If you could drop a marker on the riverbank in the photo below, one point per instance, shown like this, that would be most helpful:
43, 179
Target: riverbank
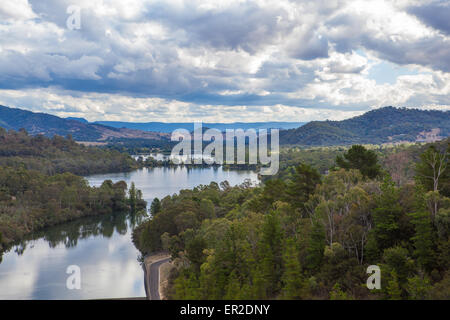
101, 246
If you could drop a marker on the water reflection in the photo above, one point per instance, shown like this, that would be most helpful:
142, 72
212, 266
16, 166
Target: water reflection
36, 267
101, 246
68, 234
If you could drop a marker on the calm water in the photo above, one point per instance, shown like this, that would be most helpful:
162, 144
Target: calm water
100, 246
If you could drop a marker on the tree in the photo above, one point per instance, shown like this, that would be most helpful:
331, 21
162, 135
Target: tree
206, 209
393, 289
155, 207
271, 253
386, 217
423, 239
418, 288
194, 252
398, 164
358, 157
186, 220
316, 246
337, 293
302, 185
397, 260
132, 193
293, 281
274, 190
430, 170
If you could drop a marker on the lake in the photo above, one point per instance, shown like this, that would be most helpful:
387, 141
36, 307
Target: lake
100, 246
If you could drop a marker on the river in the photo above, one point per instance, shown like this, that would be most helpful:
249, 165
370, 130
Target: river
100, 246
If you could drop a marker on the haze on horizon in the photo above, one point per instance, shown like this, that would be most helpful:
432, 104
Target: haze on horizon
224, 61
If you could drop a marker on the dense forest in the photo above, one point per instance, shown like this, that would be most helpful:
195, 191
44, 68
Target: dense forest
40, 186
397, 159
140, 146
307, 235
30, 201
55, 155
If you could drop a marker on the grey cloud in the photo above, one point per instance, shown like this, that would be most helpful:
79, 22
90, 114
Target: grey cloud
336, 67
311, 48
45, 67
245, 26
349, 33
436, 15
430, 52
89, 60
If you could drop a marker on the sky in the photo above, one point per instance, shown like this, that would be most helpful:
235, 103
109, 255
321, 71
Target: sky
223, 61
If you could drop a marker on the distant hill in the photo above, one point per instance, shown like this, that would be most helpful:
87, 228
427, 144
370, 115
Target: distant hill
168, 127
49, 125
382, 125
78, 119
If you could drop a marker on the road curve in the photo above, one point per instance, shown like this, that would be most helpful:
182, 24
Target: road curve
153, 278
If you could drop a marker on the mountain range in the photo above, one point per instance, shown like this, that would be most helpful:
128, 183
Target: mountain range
170, 127
382, 125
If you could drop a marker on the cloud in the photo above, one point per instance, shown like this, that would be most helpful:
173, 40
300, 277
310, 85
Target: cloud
236, 55
16, 10
435, 14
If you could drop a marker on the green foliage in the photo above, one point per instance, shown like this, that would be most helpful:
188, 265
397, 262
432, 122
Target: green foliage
386, 216
393, 289
155, 207
433, 169
33, 201
301, 235
135, 200
337, 293
294, 286
423, 239
59, 155
316, 247
418, 288
399, 265
302, 185
271, 254
358, 157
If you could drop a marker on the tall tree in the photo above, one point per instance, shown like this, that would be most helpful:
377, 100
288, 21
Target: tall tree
358, 157
302, 185
155, 207
316, 246
132, 194
293, 281
431, 168
271, 253
431, 172
386, 215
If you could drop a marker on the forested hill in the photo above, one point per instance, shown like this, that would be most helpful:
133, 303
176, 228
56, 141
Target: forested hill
383, 125
58, 155
49, 125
